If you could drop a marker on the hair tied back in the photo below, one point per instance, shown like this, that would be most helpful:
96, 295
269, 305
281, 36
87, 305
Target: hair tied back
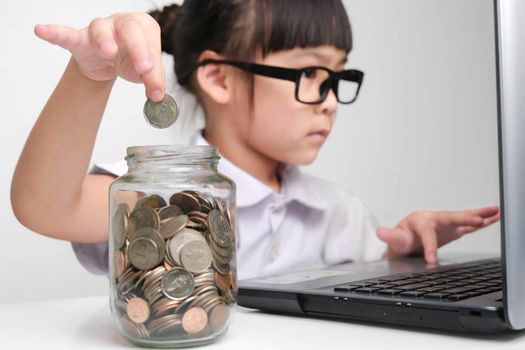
167, 20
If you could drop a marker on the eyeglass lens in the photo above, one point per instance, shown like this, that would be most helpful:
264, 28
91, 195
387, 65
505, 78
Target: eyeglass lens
315, 84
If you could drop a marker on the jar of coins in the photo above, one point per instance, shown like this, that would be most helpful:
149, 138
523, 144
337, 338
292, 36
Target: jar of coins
172, 247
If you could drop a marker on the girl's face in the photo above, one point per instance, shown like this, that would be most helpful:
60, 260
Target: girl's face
280, 127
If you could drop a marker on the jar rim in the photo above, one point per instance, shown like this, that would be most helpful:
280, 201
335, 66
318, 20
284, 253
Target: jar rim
166, 154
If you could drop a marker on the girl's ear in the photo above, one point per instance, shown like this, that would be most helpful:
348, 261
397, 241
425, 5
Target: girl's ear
213, 79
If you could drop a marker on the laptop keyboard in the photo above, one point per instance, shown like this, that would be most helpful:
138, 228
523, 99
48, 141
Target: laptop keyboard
447, 284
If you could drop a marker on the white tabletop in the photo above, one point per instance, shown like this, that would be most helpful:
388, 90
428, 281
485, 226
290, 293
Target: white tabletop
86, 323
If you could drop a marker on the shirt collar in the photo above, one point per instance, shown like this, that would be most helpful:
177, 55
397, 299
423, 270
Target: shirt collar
250, 191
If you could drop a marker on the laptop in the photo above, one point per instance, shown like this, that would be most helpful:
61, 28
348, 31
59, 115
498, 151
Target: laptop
468, 293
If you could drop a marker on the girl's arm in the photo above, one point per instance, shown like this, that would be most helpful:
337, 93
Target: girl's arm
51, 192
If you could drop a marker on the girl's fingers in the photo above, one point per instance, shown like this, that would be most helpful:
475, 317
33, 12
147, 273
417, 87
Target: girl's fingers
492, 219
142, 42
102, 35
459, 218
154, 79
460, 231
400, 241
132, 37
485, 211
65, 37
429, 242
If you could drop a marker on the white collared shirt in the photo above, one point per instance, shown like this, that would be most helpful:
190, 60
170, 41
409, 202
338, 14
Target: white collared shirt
310, 223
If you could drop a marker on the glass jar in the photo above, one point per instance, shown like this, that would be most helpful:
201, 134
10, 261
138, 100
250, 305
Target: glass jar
172, 247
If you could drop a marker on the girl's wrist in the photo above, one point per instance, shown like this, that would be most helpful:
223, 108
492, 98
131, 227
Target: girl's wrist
77, 73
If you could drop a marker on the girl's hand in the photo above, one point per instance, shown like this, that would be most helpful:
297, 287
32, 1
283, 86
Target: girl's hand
123, 45
424, 231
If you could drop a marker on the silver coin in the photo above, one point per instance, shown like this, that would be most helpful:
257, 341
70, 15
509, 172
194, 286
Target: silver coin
196, 256
143, 253
155, 236
220, 228
223, 269
223, 253
169, 212
119, 225
177, 284
143, 217
161, 114
177, 242
186, 201
153, 201
169, 228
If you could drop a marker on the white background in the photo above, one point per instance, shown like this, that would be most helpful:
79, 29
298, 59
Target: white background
421, 135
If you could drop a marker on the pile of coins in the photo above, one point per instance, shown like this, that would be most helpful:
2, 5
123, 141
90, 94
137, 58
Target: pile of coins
173, 266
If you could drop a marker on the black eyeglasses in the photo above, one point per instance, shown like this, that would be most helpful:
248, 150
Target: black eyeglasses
312, 84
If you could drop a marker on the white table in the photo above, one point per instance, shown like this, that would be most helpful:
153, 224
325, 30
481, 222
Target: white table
86, 323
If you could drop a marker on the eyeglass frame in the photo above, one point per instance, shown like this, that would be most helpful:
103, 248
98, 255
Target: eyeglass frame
291, 74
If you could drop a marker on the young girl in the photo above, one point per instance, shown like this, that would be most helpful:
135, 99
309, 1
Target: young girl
269, 75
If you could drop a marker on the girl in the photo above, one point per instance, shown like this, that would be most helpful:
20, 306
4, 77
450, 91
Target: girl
269, 75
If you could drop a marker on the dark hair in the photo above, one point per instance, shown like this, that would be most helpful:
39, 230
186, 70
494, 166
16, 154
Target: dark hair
238, 29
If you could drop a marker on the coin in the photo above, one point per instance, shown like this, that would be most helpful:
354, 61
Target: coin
219, 228
135, 330
143, 253
165, 305
196, 256
138, 310
194, 320
219, 316
161, 114
155, 236
221, 268
177, 284
153, 201
173, 226
120, 263
186, 201
177, 242
165, 324
222, 281
119, 224
142, 217
169, 212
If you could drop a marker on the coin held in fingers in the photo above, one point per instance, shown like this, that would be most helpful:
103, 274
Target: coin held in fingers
161, 114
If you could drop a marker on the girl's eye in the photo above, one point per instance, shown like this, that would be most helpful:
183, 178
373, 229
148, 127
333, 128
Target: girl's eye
309, 72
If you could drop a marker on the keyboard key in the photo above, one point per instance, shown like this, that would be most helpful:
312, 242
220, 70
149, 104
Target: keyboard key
389, 292
363, 284
459, 290
366, 290
345, 288
412, 294
394, 278
401, 282
457, 297
436, 295
434, 288
384, 286
414, 286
